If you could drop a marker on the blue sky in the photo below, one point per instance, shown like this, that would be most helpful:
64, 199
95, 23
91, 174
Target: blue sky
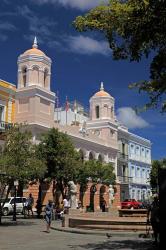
80, 61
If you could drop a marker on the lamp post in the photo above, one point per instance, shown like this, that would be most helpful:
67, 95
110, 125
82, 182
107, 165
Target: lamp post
1, 176
15, 194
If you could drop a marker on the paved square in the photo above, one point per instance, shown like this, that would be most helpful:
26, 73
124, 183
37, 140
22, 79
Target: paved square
29, 234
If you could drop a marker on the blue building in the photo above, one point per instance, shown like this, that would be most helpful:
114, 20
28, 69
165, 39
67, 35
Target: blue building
139, 167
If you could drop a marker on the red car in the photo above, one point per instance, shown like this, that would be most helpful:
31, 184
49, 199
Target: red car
131, 204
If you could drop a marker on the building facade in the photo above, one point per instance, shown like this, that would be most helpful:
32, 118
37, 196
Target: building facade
98, 136
139, 167
7, 102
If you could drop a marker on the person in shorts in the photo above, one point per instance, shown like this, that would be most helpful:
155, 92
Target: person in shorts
48, 215
30, 202
66, 205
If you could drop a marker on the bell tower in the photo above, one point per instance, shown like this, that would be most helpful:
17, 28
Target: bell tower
34, 99
102, 105
102, 117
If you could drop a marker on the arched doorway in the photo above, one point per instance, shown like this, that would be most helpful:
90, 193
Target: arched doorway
102, 200
100, 158
81, 154
91, 156
93, 190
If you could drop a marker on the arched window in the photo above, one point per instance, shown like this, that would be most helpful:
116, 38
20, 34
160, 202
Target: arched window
112, 112
137, 150
132, 171
24, 76
45, 78
133, 194
106, 110
138, 195
91, 157
97, 109
81, 155
35, 74
100, 158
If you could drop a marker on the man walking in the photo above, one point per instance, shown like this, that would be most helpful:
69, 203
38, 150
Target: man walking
30, 202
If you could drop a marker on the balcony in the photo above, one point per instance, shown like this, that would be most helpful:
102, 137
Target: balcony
122, 157
5, 125
140, 180
125, 179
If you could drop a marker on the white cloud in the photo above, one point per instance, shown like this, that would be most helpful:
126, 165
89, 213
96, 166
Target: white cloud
5, 28
78, 4
128, 117
42, 27
86, 45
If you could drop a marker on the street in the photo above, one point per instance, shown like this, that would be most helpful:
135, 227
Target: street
29, 234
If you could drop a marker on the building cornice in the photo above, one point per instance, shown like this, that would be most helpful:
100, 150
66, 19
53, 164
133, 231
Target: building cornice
101, 124
35, 58
36, 91
135, 138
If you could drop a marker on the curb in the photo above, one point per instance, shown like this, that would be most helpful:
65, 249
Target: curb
101, 233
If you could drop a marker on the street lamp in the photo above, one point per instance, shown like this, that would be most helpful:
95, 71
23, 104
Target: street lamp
15, 194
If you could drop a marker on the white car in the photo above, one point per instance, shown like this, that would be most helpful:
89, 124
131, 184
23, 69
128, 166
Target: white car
9, 205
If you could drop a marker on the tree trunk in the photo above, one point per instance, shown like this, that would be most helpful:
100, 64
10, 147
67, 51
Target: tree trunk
39, 200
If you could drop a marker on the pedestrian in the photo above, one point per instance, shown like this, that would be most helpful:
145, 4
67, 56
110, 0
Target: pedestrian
29, 204
103, 205
153, 217
48, 215
66, 205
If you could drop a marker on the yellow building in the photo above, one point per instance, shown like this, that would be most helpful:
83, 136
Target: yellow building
7, 103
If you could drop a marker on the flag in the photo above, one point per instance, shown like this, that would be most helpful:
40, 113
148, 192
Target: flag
67, 105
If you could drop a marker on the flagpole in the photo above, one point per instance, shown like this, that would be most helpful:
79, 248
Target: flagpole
75, 112
66, 117
57, 106
66, 108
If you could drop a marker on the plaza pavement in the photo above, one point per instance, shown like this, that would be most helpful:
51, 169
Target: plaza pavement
28, 234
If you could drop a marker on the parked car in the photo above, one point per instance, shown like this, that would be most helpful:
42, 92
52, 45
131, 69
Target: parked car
146, 204
9, 205
131, 204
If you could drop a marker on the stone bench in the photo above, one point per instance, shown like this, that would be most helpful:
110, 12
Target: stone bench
133, 212
114, 224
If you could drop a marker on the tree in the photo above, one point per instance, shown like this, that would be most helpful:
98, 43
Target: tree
60, 156
134, 28
18, 160
156, 165
97, 172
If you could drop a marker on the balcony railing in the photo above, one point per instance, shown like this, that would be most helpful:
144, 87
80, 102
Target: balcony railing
122, 156
140, 180
125, 179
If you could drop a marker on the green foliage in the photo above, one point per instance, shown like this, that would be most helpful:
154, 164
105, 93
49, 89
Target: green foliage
18, 160
154, 174
97, 171
134, 28
156, 165
60, 156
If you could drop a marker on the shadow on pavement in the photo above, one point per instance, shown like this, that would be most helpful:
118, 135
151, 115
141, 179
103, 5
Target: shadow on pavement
120, 245
18, 223
7, 221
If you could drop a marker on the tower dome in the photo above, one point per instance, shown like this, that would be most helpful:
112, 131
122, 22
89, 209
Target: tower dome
34, 50
101, 105
34, 68
102, 93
